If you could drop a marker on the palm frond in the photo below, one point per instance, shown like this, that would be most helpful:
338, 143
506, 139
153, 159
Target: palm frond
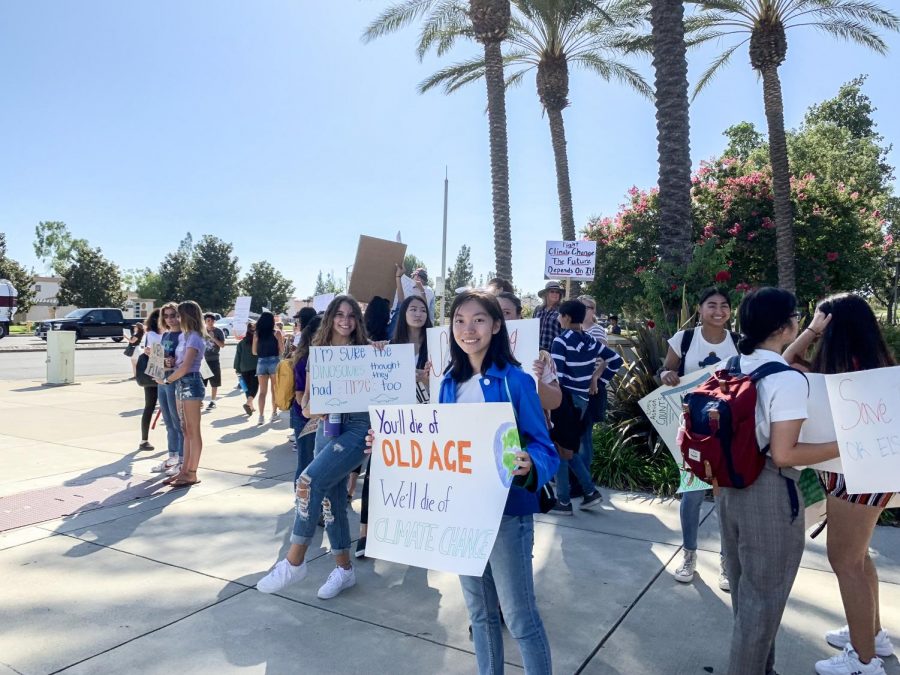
442, 27
396, 17
852, 31
738, 7
454, 76
718, 63
863, 12
610, 69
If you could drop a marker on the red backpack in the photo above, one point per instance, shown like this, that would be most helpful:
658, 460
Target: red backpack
718, 433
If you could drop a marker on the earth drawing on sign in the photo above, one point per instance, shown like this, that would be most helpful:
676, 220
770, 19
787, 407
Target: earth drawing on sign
506, 445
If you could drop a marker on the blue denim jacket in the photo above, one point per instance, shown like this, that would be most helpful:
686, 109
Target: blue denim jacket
532, 428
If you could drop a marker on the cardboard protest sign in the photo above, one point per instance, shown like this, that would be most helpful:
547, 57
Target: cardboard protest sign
523, 341
570, 260
156, 363
351, 378
374, 269
663, 408
321, 302
241, 316
866, 410
440, 475
819, 426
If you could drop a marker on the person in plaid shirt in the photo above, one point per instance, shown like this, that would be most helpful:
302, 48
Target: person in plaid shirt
548, 313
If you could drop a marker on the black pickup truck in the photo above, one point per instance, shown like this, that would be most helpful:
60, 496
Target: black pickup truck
93, 322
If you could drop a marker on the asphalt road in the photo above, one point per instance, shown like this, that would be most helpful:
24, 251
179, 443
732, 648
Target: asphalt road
88, 362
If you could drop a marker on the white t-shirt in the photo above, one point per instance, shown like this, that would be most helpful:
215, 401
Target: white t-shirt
470, 391
780, 397
702, 353
150, 339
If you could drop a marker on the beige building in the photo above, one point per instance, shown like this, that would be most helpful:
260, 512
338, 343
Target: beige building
45, 304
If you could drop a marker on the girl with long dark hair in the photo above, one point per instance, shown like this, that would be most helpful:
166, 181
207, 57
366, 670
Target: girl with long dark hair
268, 344
483, 369
245, 362
151, 337
321, 487
762, 525
847, 339
168, 401
412, 322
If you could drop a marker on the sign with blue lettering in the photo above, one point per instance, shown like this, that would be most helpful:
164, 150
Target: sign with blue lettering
439, 482
353, 377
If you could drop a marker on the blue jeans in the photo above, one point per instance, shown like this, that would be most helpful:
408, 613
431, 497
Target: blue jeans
326, 476
305, 446
563, 491
690, 518
169, 407
507, 582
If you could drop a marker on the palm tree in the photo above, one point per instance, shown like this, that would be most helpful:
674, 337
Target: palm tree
548, 36
766, 23
673, 130
486, 21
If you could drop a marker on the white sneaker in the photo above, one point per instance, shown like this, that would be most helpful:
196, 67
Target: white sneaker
724, 584
848, 663
840, 638
282, 575
339, 580
262, 420
173, 470
274, 418
685, 573
167, 463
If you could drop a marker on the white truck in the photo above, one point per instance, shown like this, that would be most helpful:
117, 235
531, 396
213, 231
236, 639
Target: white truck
8, 296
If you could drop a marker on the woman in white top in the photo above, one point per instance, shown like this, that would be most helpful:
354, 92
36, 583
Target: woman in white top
691, 350
762, 525
152, 336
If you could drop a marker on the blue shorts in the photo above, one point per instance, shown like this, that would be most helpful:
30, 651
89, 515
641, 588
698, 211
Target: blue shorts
267, 365
190, 388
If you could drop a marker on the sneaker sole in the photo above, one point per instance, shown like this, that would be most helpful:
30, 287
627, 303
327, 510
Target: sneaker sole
342, 589
591, 506
683, 580
359, 554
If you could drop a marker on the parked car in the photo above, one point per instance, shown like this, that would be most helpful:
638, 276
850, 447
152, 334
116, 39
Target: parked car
92, 322
226, 325
8, 295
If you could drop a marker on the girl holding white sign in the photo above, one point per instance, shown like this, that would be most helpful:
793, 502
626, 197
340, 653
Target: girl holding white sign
482, 369
412, 322
849, 339
322, 486
689, 351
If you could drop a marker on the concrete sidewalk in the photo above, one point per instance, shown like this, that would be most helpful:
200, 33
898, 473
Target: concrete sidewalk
165, 583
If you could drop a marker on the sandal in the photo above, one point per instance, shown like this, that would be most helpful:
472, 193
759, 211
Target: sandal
248, 410
183, 483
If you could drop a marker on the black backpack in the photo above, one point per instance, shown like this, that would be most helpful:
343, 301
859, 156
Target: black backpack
686, 340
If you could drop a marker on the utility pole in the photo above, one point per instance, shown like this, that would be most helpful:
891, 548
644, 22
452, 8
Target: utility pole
444, 253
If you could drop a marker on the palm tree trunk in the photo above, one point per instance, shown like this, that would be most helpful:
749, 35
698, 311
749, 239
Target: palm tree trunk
673, 130
496, 94
563, 187
781, 179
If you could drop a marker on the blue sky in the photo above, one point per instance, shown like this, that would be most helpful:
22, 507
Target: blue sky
271, 125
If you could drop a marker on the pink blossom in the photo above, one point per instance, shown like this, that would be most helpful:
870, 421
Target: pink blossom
767, 223
742, 287
854, 196
722, 276
831, 256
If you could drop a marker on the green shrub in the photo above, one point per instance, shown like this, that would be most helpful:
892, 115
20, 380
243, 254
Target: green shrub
892, 337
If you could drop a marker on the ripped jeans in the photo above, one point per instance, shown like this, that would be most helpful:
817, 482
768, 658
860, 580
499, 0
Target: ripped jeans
326, 480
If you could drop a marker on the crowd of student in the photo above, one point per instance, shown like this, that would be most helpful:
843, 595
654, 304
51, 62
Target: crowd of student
762, 531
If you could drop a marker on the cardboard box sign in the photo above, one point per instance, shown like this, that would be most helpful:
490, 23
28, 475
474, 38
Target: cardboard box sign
373, 270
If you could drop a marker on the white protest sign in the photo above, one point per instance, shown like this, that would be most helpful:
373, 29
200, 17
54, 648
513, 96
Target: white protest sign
523, 341
819, 425
866, 410
241, 315
663, 408
351, 378
409, 286
156, 364
321, 302
570, 260
440, 475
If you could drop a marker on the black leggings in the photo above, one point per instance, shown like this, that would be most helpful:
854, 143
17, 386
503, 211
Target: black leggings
150, 397
251, 381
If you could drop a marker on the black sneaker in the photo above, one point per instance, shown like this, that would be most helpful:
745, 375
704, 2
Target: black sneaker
591, 501
145, 445
211, 405
561, 510
361, 548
